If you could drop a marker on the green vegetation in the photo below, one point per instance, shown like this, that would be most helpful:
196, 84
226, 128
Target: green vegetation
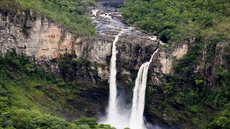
189, 101
72, 67
193, 98
201, 101
175, 20
31, 98
206, 105
221, 121
70, 13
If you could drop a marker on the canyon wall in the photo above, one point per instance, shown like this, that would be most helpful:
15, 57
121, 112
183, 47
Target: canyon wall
47, 43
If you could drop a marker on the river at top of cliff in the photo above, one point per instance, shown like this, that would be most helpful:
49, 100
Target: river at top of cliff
108, 20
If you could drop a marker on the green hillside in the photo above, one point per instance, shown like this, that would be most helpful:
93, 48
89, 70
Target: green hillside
32, 98
176, 20
205, 103
69, 13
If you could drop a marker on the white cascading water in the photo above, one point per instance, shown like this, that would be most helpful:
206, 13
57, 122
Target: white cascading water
107, 21
112, 108
115, 117
138, 105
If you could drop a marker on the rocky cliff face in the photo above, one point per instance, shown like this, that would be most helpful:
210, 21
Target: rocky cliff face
47, 43
44, 41
33, 35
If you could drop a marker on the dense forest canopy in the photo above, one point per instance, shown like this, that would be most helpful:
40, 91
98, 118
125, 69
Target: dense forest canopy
175, 20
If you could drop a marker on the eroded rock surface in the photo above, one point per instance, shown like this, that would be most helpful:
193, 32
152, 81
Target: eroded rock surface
46, 42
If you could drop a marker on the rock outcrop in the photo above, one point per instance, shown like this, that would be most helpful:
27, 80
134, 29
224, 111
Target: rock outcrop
34, 35
44, 41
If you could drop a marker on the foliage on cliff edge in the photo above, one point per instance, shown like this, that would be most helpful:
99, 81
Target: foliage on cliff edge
70, 13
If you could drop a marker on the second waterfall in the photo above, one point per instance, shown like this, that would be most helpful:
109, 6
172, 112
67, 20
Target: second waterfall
138, 105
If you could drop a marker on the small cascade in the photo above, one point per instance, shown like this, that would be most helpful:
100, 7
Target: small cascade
138, 105
94, 12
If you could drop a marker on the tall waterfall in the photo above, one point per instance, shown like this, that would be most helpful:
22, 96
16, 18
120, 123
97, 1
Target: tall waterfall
112, 108
137, 118
115, 115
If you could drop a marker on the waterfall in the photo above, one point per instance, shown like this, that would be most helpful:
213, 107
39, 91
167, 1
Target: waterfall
115, 115
138, 105
107, 21
112, 108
